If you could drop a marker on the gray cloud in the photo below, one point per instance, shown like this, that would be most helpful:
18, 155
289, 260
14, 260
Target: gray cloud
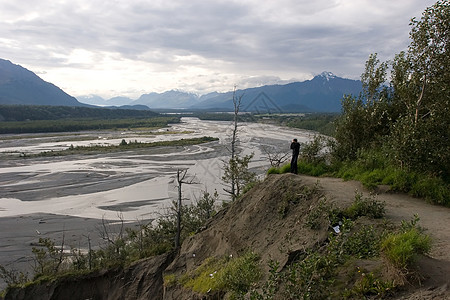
231, 40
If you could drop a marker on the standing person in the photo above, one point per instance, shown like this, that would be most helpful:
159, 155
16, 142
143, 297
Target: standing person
295, 146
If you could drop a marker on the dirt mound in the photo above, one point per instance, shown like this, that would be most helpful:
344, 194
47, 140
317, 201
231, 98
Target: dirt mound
262, 221
269, 220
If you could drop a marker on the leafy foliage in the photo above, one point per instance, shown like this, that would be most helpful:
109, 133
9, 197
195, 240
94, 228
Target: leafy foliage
411, 116
365, 207
236, 172
314, 273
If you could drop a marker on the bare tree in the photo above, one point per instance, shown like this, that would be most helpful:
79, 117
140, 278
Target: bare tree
237, 106
182, 178
112, 236
275, 158
236, 172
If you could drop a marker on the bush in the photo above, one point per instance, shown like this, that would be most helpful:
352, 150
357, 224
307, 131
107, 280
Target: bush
365, 207
364, 243
226, 274
373, 168
281, 170
433, 189
402, 249
313, 168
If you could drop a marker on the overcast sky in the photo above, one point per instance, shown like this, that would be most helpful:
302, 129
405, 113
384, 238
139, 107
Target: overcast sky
130, 47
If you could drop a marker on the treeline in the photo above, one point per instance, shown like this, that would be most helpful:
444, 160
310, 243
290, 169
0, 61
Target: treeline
39, 119
43, 112
68, 125
320, 122
124, 145
406, 121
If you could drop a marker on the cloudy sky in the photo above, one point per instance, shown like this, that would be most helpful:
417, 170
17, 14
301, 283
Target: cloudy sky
131, 47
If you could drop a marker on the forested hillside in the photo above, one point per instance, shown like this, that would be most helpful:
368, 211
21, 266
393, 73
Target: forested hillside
42, 112
29, 119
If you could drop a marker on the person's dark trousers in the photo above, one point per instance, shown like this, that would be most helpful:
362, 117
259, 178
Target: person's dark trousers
294, 164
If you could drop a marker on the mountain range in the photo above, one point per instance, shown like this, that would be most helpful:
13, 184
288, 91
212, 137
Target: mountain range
323, 93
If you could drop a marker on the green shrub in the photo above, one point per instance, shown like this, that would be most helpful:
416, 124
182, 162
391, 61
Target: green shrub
204, 278
372, 179
273, 170
402, 249
399, 180
313, 168
373, 168
369, 284
365, 207
433, 189
364, 243
226, 274
240, 273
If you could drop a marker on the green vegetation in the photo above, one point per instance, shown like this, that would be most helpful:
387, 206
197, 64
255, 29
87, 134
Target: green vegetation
123, 146
40, 118
226, 274
236, 172
65, 125
402, 248
44, 112
403, 127
357, 251
319, 122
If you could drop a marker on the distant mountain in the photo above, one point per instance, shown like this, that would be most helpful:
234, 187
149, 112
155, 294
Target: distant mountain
99, 101
170, 99
21, 86
323, 93
119, 101
92, 100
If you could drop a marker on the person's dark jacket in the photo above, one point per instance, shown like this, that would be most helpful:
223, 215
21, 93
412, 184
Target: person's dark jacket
295, 146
